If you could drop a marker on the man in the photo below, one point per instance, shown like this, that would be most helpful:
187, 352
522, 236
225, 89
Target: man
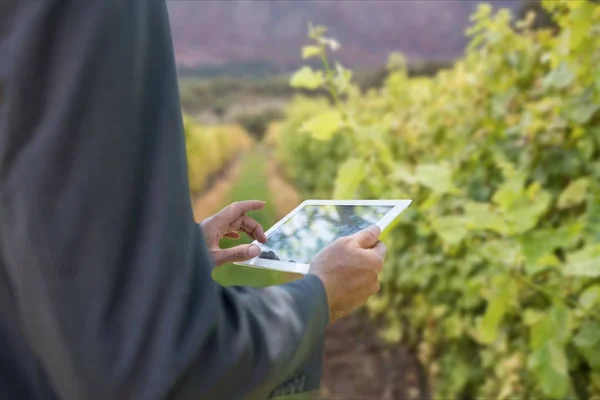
105, 279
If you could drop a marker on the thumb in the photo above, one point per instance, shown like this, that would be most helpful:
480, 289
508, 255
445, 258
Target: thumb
235, 254
368, 237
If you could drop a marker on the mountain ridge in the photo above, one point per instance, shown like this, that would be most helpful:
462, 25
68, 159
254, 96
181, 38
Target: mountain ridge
214, 33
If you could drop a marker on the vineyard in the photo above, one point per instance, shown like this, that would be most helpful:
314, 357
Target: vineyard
210, 149
493, 274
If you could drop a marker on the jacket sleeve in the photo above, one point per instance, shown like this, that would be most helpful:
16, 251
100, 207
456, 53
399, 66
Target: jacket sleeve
112, 276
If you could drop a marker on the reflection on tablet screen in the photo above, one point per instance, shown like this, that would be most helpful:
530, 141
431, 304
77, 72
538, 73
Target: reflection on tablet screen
313, 227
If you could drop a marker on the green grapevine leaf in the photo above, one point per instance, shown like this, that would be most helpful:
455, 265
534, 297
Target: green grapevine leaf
581, 29
549, 365
503, 293
554, 326
592, 227
500, 251
436, 177
537, 243
587, 342
342, 78
307, 78
451, 230
396, 61
583, 112
590, 298
574, 194
569, 234
481, 216
560, 78
488, 328
483, 12
542, 263
350, 175
585, 262
538, 246
378, 304
324, 125
402, 174
531, 316
453, 326
561, 316
311, 51
316, 32
510, 191
500, 102
392, 333
526, 213
548, 360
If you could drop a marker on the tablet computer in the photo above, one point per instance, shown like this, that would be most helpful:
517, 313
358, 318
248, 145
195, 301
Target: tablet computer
299, 236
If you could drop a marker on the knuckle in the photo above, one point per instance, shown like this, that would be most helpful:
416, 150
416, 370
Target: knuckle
239, 252
370, 235
340, 246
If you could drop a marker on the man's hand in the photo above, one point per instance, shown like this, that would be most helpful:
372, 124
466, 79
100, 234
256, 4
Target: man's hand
349, 269
229, 222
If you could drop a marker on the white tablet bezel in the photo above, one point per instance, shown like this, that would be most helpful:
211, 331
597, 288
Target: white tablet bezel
397, 207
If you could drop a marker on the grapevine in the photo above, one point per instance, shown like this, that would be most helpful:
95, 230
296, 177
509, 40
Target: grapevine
495, 266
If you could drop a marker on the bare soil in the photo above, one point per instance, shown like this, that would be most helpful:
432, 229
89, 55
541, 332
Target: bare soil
359, 366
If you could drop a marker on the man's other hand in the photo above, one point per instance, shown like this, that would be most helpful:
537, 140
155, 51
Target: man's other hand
229, 223
349, 269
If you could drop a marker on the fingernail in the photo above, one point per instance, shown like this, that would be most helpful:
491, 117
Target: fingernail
254, 250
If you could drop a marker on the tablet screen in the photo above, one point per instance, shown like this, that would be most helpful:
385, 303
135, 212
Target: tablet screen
313, 227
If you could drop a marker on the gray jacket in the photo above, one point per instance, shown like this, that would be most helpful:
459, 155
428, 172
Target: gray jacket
105, 280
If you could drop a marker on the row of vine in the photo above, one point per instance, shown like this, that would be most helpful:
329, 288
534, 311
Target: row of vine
493, 273
210, 149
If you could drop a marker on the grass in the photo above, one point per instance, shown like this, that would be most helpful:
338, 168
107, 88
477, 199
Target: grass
251, 185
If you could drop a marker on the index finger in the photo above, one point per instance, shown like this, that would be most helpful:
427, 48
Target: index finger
238, 208
253, 228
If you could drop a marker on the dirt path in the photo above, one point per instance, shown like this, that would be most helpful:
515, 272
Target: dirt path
358, 365
284, 195
213, 198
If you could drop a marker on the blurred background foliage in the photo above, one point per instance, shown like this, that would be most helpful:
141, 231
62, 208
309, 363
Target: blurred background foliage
210, 149
493, 274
